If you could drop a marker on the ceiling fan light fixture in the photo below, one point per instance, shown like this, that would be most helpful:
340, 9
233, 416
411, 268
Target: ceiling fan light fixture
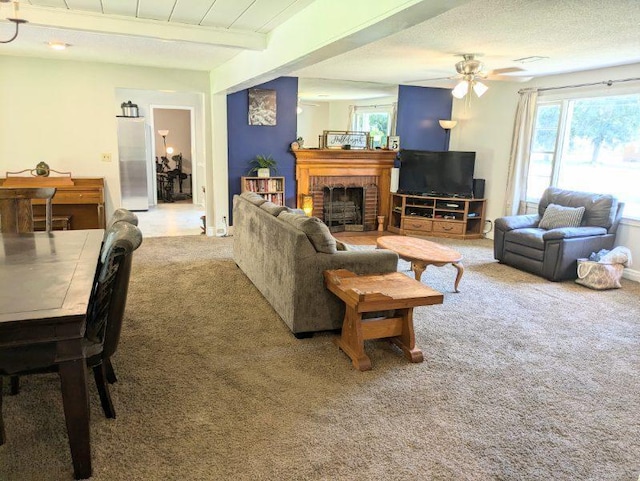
479, 88
461, 89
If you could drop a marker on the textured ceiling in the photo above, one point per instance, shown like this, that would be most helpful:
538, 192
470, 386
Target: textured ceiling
574, 35
570, 35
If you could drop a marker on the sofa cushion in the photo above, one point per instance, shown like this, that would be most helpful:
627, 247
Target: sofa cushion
273, 209
317, 231
530, 237
556, 216
255, 199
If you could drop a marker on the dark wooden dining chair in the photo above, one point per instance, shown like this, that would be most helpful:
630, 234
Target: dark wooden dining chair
104, 318
16, 210
113, 334
122, 215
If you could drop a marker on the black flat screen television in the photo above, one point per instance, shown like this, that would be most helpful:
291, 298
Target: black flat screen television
439, 174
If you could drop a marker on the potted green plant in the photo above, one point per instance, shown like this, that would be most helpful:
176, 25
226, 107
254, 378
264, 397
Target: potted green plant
263, 165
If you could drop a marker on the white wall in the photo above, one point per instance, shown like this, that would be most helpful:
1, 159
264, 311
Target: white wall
486, 126
64, 113
312, 121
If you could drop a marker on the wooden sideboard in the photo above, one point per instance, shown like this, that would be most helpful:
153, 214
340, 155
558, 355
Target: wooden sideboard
80, 198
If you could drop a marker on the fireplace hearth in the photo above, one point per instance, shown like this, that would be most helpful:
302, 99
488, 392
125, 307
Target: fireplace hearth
343, 208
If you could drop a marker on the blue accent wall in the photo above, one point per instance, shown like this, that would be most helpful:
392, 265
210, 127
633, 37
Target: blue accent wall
419, 109
246, 141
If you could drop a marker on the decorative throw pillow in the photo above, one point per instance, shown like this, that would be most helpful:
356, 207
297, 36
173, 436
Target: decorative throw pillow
255, 199
273, 209
556, 216
294, 211
316, 230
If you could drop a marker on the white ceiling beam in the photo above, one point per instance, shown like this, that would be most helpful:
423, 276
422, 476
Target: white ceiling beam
120, 25
314, 35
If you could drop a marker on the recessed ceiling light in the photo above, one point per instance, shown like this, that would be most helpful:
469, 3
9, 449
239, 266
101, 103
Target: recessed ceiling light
323, 95
58, 45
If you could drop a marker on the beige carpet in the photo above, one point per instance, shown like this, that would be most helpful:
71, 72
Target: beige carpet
523, 379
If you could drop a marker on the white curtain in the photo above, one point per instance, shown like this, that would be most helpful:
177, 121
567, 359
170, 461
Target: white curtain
393, 118
352, 116
519, 158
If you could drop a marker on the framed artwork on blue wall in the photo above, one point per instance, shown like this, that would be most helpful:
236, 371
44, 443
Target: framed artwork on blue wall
262, 107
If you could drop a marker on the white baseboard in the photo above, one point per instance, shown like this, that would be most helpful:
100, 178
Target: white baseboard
631, 274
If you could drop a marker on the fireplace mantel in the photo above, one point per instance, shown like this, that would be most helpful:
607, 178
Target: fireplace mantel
343, 163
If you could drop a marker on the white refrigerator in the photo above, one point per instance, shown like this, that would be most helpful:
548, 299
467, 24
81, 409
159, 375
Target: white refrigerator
132, 154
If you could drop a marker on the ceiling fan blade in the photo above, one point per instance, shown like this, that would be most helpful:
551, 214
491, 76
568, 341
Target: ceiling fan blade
507, 70
509, 78
433, 79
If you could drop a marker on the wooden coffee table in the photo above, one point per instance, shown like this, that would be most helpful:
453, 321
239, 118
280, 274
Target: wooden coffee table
374, 293
422, 253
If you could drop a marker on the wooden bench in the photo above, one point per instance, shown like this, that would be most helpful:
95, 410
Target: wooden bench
376, 293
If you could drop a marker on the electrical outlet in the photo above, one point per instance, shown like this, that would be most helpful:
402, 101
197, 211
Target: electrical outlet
106, 157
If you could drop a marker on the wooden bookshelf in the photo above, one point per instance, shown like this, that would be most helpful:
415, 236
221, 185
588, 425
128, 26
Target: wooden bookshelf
270, 188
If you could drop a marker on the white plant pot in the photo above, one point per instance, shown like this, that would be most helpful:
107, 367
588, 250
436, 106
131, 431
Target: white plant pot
264, 172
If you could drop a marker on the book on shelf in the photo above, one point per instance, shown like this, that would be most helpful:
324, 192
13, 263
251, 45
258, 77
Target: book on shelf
264, 185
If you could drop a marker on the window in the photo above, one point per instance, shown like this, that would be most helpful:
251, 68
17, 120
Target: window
589, 144
377, 120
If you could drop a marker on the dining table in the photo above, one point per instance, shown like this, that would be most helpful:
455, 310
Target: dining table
46, 280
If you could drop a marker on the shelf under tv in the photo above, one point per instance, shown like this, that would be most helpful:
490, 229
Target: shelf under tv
455, 217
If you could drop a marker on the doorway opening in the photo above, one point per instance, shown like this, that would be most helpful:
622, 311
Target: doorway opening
174, 172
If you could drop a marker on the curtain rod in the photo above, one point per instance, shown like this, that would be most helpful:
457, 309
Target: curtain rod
608, 83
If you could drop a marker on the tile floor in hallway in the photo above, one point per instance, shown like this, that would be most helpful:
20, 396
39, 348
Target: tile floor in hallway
178, 218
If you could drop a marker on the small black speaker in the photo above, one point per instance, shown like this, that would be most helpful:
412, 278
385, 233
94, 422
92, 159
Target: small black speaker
478, 188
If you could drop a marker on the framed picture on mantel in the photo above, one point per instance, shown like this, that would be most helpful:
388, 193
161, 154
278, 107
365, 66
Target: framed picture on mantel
333, 139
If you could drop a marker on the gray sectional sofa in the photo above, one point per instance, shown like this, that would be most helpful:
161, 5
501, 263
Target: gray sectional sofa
284, 254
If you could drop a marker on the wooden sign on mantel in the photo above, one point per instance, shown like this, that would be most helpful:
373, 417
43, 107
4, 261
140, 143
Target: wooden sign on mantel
333, 139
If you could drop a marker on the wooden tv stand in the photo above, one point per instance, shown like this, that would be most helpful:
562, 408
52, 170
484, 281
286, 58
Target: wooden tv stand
453, 217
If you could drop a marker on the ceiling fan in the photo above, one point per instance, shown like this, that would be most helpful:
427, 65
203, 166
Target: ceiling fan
471, 72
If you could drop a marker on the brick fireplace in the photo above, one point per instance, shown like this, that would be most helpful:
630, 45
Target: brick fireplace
358, 181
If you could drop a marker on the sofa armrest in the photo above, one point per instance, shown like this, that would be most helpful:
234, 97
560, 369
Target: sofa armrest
572, 232
512, 222
360, 262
